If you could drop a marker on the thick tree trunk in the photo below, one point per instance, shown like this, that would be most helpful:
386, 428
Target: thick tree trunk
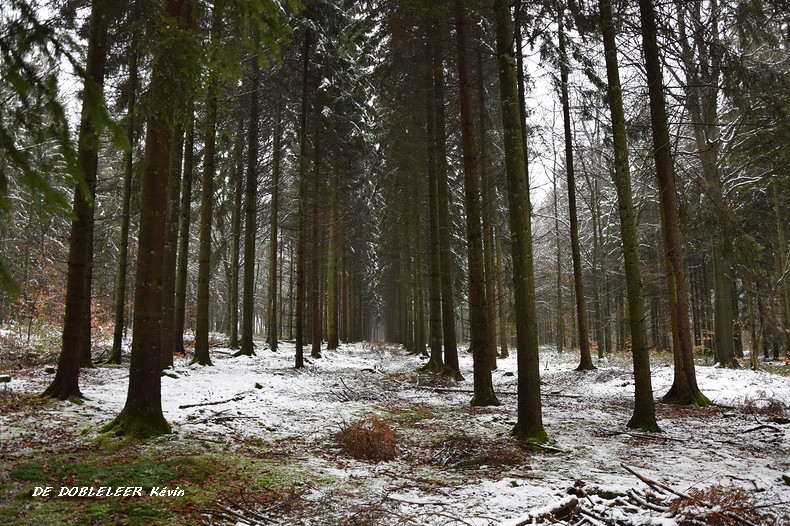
684, 389
529, 425
78, 289
478, 324
142, 415
644, 416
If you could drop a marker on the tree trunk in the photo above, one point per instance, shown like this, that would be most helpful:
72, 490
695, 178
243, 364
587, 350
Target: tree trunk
171, 240
128, 174
443, 197
488, 191
142, 415
684, 388
202, 319
504, 332
529, 425
315, 243
182, 263
581, 307
332, 340
436, 362
78, 289
235, 235
274, 233
250, 219
300, 250
644, 416
478, 324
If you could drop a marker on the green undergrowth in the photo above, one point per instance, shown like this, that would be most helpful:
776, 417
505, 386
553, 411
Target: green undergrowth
206, 472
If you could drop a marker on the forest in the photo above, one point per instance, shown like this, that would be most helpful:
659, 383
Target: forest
415, 262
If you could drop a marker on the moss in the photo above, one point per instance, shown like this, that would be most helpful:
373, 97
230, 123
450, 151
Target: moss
530, 438
485, 399
138, 426
648, 425
29, 471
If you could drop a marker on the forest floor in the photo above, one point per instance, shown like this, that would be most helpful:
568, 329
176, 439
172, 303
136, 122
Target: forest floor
256, 442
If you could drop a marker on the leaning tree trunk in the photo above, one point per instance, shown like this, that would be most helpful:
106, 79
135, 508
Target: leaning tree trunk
578, 284
684, 388
644, 416
478, 324
78, 290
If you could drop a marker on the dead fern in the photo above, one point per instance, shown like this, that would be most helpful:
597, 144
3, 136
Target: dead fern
716, 505
368, 439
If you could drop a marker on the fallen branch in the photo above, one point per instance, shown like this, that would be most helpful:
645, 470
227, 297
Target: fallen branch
763, 426
234, 399
507, 393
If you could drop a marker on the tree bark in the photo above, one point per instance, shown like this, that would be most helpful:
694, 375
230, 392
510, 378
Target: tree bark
581, 307
529, 425
128, 174
478, 324
78, 280
250, 219
182, 271
302, 182
644, 416
684, 388
142, 415
443, 193
171, 240
274, 230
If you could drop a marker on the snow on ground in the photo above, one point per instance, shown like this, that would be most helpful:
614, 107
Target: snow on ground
442, 473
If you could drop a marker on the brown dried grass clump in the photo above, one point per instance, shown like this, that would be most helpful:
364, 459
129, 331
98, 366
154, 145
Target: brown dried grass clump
368, 439
768, 407
717, 505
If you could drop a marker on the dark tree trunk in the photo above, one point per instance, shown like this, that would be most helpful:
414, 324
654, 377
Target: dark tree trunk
684, 389
436, 362
275, 191
302, 182
142, 415
478, 324
202, 316
78, 289
581, 307
443, 197
315, 242
235, 235
644, 416
529, 425
171, 241
128, 173
182, 271
250, 219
